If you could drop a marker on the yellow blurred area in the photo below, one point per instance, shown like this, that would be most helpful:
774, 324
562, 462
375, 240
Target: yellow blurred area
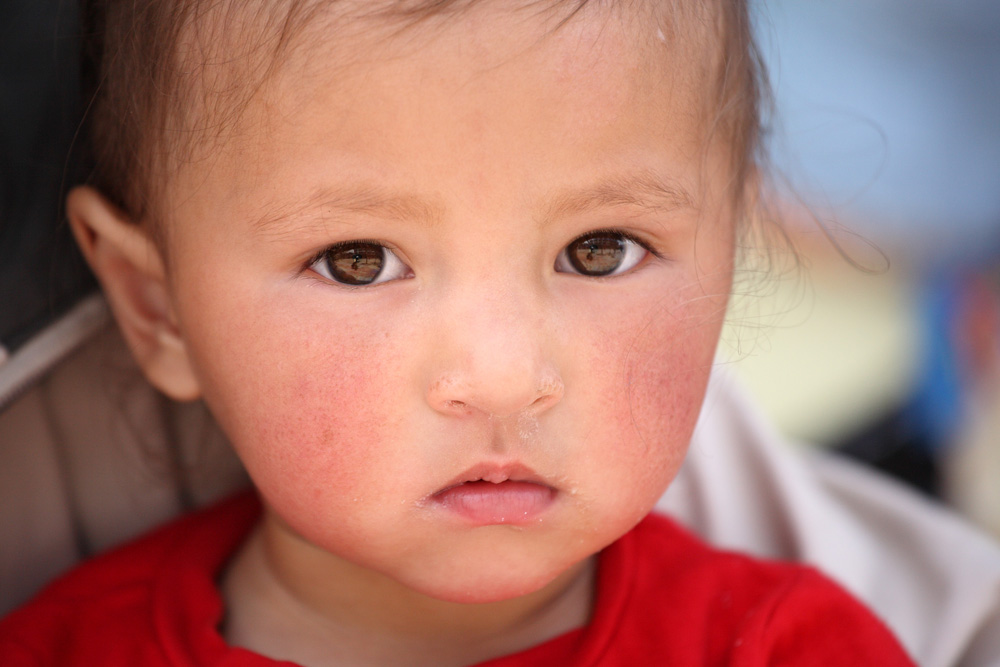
826, 346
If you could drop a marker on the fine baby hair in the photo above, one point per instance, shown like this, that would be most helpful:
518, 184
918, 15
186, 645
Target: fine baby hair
450, 278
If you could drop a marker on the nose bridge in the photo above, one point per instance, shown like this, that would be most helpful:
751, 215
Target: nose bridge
495, 353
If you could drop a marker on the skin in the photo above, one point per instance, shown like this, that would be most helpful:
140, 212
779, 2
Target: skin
473, 148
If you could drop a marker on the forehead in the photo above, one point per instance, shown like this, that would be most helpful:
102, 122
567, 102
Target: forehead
229, 52
341, 68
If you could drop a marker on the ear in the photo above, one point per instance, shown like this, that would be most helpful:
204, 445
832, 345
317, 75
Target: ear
130, 267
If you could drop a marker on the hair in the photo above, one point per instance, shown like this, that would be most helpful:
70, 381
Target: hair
145, 66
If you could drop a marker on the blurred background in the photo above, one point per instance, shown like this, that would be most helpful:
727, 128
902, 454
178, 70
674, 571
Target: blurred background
885, 147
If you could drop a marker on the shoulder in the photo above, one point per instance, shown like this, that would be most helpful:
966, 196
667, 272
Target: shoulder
744, 487
727, 608
665, 553
110, 605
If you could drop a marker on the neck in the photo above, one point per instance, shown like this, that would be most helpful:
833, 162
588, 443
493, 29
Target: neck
297, 602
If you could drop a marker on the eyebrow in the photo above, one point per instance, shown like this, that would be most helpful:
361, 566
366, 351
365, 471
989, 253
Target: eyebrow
644, 189
347, 199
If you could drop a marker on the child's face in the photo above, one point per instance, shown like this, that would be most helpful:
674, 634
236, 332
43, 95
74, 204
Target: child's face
477, 149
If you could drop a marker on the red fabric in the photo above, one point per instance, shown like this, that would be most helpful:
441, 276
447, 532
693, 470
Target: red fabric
663, 598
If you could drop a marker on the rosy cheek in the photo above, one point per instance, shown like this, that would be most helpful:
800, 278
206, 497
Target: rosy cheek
311, 404
666, 372
656, 392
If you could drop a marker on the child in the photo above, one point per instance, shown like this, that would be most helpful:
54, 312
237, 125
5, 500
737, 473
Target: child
450, 276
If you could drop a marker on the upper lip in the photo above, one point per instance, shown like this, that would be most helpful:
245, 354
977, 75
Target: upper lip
495, 473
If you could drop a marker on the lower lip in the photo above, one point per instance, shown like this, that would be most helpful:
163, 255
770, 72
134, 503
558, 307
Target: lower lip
486, 503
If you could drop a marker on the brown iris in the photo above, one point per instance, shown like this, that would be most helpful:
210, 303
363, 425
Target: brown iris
597, 255
355, 264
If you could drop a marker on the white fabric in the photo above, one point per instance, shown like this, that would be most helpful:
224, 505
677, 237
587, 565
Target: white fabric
934, 580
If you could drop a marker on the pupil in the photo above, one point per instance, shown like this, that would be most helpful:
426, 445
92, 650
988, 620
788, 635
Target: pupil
356, 265
597, 255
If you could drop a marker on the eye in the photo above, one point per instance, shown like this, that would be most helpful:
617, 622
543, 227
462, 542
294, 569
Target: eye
358, 263
601, 253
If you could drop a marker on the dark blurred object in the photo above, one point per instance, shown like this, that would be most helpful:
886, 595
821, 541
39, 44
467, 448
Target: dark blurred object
899, 447
41, 272
960, 362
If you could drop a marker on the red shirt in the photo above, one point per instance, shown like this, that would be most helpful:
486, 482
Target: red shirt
663, 598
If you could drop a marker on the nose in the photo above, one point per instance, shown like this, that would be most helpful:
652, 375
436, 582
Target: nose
493, 359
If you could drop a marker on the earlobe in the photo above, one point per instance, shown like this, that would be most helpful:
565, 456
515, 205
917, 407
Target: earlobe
131, 270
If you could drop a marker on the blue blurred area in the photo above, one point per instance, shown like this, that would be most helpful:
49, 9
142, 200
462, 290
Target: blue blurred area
889, 113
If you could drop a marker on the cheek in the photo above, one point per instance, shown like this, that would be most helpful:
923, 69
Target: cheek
650, 397
667, 365
301, 400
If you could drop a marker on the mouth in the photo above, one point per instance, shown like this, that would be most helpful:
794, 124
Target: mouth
491, 495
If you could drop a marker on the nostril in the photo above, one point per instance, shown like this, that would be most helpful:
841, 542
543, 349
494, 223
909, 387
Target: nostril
543, 402
550, 391
494, 393
450, 394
